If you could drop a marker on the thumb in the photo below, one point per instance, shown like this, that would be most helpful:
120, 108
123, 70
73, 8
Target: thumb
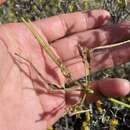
110, 87
2, 1
113, 87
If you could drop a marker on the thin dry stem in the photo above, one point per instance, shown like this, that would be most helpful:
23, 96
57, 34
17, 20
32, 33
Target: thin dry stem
48, 49
110, 46
85, 54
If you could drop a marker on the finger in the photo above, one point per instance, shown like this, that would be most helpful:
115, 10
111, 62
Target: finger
75, 67
111, 87
2, 1
92, 38
108, 58
58, 26
108, 87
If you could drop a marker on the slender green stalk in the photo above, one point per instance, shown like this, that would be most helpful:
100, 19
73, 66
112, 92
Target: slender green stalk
48, 49
113, 100
79, 112
119, 102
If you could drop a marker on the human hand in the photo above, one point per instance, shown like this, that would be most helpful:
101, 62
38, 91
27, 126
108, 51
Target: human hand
2, 1
26, 102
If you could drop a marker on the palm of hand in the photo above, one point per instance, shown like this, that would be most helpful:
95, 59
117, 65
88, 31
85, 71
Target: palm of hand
29, 71
24, 77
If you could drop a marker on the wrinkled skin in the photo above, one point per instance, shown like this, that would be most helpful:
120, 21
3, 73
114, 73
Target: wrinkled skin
25, 100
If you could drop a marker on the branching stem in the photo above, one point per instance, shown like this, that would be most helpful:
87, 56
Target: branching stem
85, 54
109, 46
48, 49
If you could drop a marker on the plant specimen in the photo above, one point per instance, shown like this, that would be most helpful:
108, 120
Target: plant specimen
85, 87
12, 11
